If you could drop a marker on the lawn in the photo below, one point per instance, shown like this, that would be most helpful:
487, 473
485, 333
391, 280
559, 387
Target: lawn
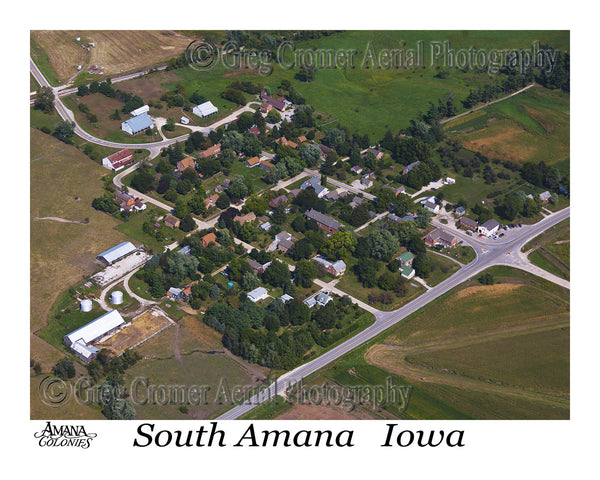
349, 284
441, 269
133, 228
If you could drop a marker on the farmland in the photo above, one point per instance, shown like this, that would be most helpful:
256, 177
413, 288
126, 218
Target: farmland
117, 51
531, 126
551, 250
496, 351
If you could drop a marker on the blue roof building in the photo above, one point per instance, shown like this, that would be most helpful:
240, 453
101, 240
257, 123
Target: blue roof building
137, 124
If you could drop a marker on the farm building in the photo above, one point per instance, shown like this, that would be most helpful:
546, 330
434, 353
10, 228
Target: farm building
137, 124
80, 339
118, 160
139, 111
325, 222
258, 294
205, 109
116, 253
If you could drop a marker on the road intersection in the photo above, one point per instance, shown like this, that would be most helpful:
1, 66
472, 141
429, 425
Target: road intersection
489, 252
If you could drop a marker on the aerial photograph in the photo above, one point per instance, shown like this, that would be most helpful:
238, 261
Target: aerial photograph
299, 225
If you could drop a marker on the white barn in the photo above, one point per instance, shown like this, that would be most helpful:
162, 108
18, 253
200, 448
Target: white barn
139, 111
205, 109
137, 124
103, 325
117, 252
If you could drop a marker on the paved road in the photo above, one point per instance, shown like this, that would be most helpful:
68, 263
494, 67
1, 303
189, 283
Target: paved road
494, 254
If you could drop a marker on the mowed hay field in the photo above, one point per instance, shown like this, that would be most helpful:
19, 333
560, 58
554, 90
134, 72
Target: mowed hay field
118, 51
531, 126
64, 182
480, 351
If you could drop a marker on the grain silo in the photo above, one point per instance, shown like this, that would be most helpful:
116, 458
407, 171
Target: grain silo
116, 297
86, 305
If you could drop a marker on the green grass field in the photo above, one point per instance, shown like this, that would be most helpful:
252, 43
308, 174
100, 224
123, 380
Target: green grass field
488, 352
552, 250
532, 126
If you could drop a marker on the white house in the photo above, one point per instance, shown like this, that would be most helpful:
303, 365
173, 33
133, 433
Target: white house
430, 204
449, 181
205, 109
489, 228
257, 294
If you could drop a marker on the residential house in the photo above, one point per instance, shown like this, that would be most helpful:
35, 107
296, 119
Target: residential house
286, 298
265, 165
258, 294
208, 239
406, 258
248, 217
460, 210
397, 190
265, 227
406, 218
171, 221
325, 150
187, 162
209, 152
265, 107
489, 228
337, 268
366, 181
139, 205
468, 223
310, 302
356, 201
285, 141
294, 193
407, 272
211, 201
118, 160
278, 200
277, 103
332, 196
440, 237
256, 267
252, 162
187, 250
174, 293
376, 152
315, 183
326, 223
255, 130
356, 169
323, 299
285, 241
301, 139
545, 196
430, 204
124, 199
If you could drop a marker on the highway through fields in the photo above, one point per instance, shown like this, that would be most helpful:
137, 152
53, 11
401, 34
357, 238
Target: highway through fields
495, 254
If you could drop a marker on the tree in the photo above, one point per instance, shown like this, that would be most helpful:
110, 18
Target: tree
273, 116
170, 125
305, 272
187, 224
249, 281
44, 100
238, 188
422, 266
83, 90
339, 245
487, 279
143, 179
245, 121
309, 154
233, 141
276, 274
64, 131
302, 249
223, 201
382, 244
64, 368
251, 145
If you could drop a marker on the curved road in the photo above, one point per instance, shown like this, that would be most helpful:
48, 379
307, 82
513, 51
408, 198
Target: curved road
488, 253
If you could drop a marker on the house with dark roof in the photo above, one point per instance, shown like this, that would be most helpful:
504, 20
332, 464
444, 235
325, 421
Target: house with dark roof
315, 184
337, 268
356, 169
325, 150
468, 223
326, 223
409, 167
278, 200
489, 228
440, 237
356, 201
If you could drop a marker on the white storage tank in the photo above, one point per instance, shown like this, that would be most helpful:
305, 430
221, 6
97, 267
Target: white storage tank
86, 305
116, 297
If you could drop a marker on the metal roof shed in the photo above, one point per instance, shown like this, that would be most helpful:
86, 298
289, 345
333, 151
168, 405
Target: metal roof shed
96, 328
205, 109
117, 252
